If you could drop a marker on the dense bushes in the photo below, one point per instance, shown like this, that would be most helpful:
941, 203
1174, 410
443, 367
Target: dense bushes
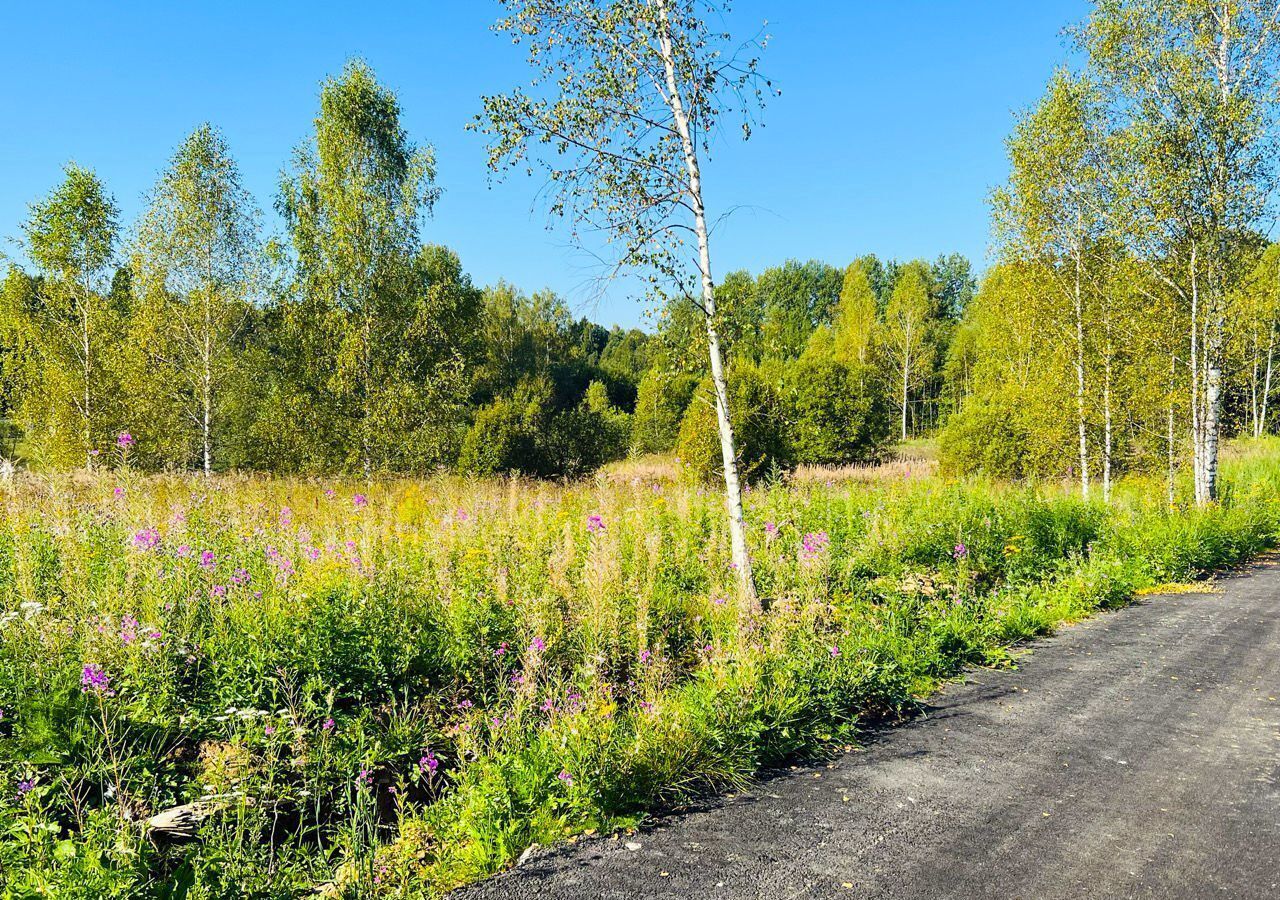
814, 409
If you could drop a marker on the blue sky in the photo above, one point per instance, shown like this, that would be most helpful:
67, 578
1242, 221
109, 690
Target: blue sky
886, 138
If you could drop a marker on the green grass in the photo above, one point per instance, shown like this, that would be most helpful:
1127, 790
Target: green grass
401, 696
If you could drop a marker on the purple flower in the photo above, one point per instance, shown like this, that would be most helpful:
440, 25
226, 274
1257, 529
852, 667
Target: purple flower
330, 493
125, 440
771, 529
365, 778
960, 552
813, 543
93, 680
218, 590
835, 651
360, 501
183, 551
25, 786
207, 559
328, 724
595, 524
645, 655
239, 577
146, 539
118, 493
428, 763
566, 777
269, 730
538, 645
501, 649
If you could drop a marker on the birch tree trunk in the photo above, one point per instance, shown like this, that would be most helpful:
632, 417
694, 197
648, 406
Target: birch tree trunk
906, 376
728, 452
1266, 383
1172, 445
88, 375
1080, 381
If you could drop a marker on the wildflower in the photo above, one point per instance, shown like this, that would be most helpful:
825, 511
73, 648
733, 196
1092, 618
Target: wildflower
313, 553
183, 551
465, 704
814, 543
645, 655
548, 706
960, 552
207, 559
125, 440
239, 577
128, 629
328, 725
835, 651
146, 539
330, 493
94, 680
566, 777
461, 515
269, 730
118, 493
25, 786
218, 590
719, 601
365, 778
771, 530
595, 524
360, 501
537, 645
428, 763
501, 649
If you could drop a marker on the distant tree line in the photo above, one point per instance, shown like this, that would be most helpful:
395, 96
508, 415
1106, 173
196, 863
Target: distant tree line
346, 345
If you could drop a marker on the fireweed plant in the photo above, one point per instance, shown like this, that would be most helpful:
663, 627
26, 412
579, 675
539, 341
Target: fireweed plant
392, 688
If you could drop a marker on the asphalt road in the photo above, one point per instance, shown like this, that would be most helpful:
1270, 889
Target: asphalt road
1133, 755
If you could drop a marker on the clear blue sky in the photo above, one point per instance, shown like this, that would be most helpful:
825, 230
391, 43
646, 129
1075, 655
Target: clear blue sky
886, 138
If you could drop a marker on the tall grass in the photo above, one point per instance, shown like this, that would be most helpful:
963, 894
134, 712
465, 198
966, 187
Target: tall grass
393, 688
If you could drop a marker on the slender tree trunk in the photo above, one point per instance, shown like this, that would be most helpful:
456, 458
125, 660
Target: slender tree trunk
1266, 383
1213, 405
88, 375
1172, 445
728, 453
1106, 426
906, 376
1080, 382
207, 390
1197, 432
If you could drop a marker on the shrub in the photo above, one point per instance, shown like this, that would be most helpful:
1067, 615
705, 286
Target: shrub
759, 427
661, 402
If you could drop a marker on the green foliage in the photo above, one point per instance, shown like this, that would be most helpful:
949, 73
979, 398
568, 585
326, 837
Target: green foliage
837, 411
759, 422
661, 401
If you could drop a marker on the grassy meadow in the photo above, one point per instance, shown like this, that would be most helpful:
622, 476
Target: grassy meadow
388, 689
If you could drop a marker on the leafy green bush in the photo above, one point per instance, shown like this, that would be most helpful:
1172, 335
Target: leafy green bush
759, 427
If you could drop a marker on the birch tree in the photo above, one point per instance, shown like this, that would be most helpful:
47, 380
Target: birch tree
1051, 212
1193, 84
624, 103
71, 238
906, 336
195, 261
1256, 320
353, 201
